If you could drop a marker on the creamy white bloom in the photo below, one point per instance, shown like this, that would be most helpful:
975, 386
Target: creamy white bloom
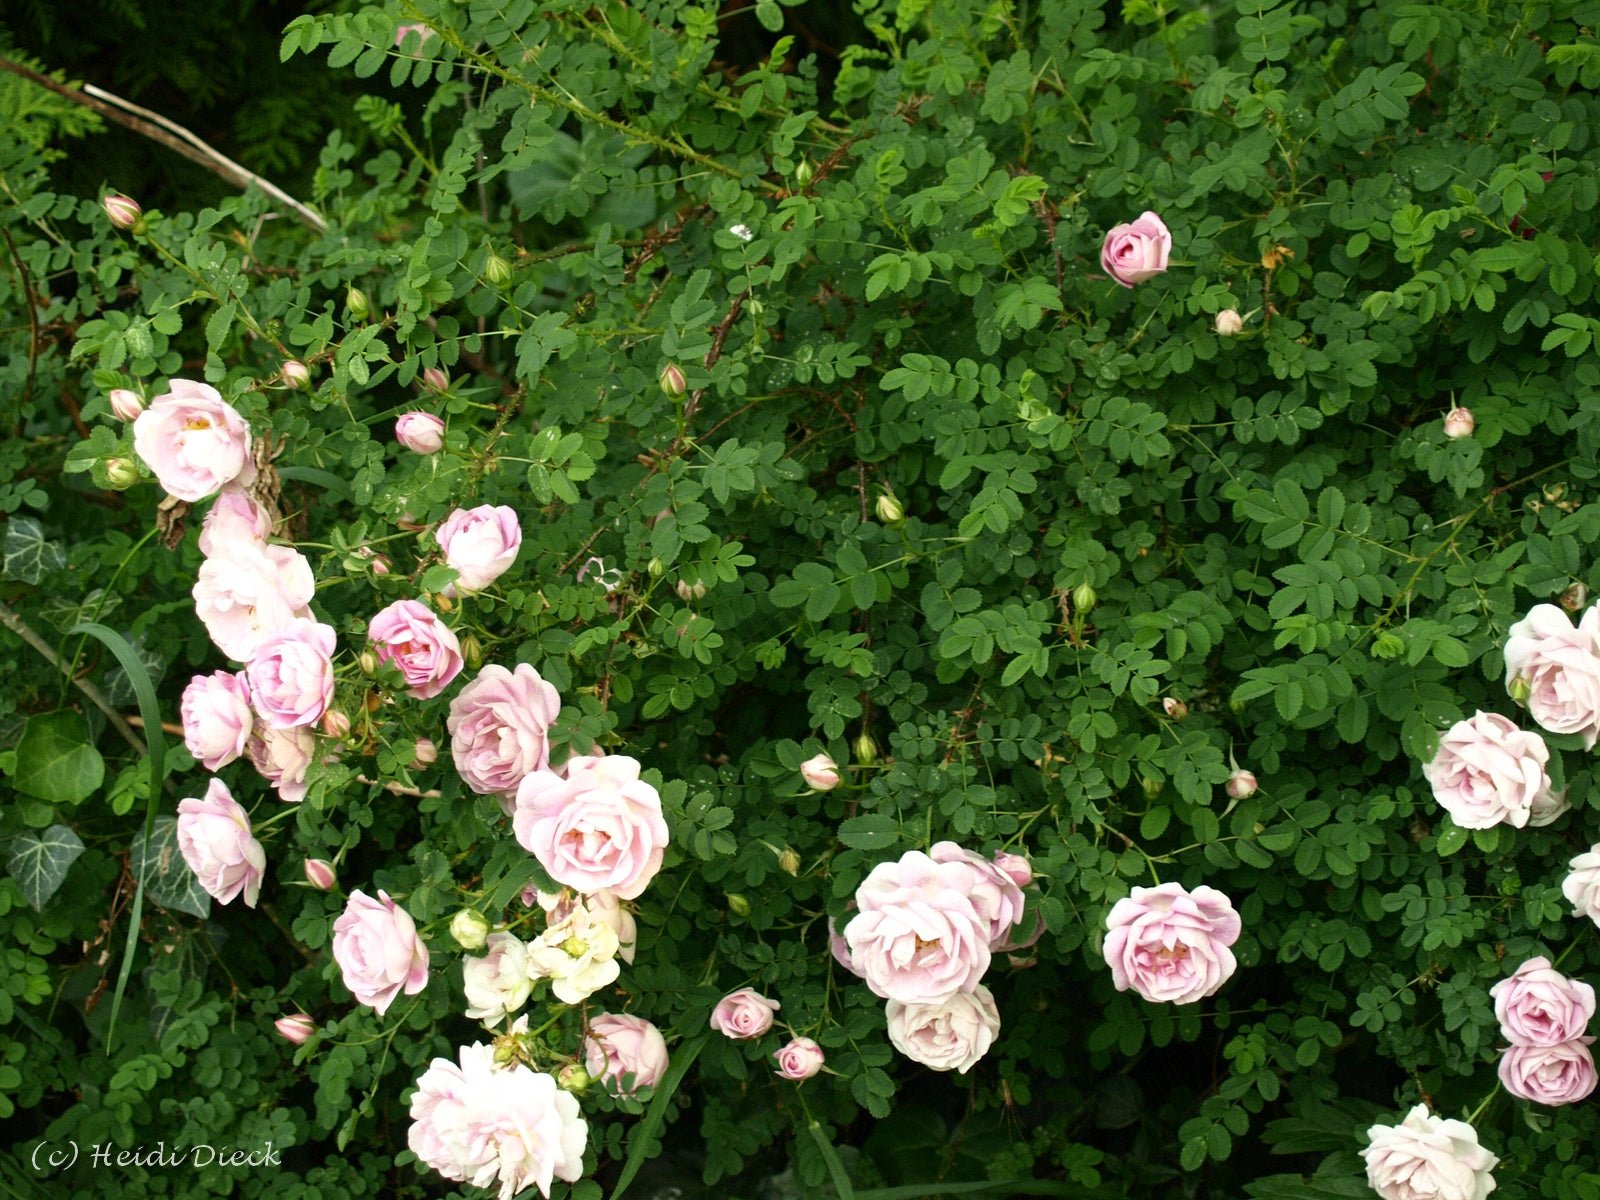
949, 1036
497, 983
1428, 1158
577, 954
1581, 887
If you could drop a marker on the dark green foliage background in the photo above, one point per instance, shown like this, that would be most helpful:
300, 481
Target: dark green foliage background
1278, 532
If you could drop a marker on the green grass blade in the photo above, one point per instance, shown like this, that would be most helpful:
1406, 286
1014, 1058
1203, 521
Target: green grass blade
150, 713
655, 1116
836, 1171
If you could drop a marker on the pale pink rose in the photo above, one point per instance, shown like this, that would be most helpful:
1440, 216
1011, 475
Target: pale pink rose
1171, 945
248, 591
1581, 887
281, 757
599, 828
379, 954
799, 1059
1552, 1075
839, 948
434, 379
480, 543
949, 1036
214, 838
423, 647
234, 517
1557, 668
1241, 785
743, 1014
919, 938
194, 441
291, 676
297, 1028
1538, 1006
216, 718
420, 432
993, 892
577, 954
497, 983
1229, 323
477, 1122
499, 728
126, 405
1487, 772
618, 1044
1459, 423
1016, 866
820, 772
1136, 251
1548, 807
319, 874
426, 752
1428, 1158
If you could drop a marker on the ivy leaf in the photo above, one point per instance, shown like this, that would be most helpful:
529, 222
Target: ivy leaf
167, 878
55, 760
39, 862
25, 554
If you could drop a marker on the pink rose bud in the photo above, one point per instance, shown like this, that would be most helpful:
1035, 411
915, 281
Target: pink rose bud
122, 212
672, 381
820, 772
743, 1014
297, 1028
1458, 423
125, 404
1229, 322
335, 724
1428, 1156
690, 591
1176, 709
800, 1059
618, 1045
1014, 865
319, 874
1241, 785
426, 752
420, 432
1171, 945
296, 374
1575, 598
1136, 251
435, 379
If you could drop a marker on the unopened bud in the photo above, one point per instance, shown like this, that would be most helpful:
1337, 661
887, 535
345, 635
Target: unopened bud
656, 567
426, 752
1174, 708
435, 379
1152, 787
296, 374
1018, 868
866, 749
121, 473
573, 1078
1518, 689
820, 772
335, 724
672, 381
123, 212
297, 1028
497, 271
357, 304
368, 662
690, 591
1083, 597
444, 603
804, 172
738, 904
890, 510
1575, 597
1241, 785
472, 651
789, 861
1229, 322
125, 404
470, 929
319, 874
1458, 423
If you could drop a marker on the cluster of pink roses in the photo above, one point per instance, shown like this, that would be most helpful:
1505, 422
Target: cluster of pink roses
746, 1014
1544, 1016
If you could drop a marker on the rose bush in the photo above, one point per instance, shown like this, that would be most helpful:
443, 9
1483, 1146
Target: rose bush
1050, 544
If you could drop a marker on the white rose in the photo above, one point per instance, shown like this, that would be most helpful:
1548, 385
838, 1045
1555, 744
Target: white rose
497, 983
1428, 1157
949, 1036
577, 954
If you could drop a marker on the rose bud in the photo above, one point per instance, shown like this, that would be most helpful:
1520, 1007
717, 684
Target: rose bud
1241, 785
435, 380
123, 212
296, 374
1083, 597
573, 1078
800, 1059
497, 271
335, 724
125, 404
890, 510
1176, 709
420, 432
1229, 322
820, 772
740, 905
470, 929
427, 753
368, 661
1018, 868
121, 473
297, 1028
1458, 423
866, 749
789, 861
356, 302
1575, 598
471, 650
672, 381
1137, 251
319, 874
690, 591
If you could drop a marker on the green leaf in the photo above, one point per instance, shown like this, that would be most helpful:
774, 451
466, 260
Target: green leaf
836, 1172
39, 862
25, 554
159, 867
656, 1115
870, 831
55, 760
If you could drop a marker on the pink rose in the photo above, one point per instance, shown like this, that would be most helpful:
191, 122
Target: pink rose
216, 718
420, 432
1556, 668
743, 1014
949, 1036
408, 634
193, 440
499, 728
1539, 1006
820, 772
599, 828
1136, 251
618, 1044
379, 954
234, 517
1241, 785
1459, 423
297, 1028
215, 840
1553, 1075
1428, 1158
281, 757
800, 1059
477, 1121
1487, 771
480, 543
291, 676
993, 892
1171, 945
248, 591
1581, 887
1016, 866
839, 948
919, 938
1548, 807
